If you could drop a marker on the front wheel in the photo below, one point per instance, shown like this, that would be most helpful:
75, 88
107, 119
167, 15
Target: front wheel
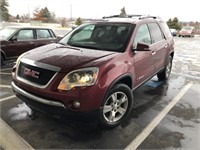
164, 75
117, 106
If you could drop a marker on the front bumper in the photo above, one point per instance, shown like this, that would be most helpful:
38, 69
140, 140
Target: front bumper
53, 108
20, 91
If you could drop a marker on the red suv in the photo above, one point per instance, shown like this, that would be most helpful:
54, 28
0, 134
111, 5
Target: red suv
92, 72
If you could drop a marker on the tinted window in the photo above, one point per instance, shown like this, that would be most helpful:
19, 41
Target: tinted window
25, 35
155, 31
43, 34
142, 36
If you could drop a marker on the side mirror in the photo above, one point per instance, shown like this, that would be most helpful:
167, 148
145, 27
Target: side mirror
143, 47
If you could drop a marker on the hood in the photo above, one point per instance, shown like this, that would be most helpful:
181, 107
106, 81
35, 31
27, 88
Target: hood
65, 57
2, 40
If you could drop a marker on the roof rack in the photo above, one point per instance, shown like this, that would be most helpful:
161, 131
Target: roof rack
132, 16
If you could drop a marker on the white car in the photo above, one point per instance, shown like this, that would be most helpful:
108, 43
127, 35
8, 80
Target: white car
174, 32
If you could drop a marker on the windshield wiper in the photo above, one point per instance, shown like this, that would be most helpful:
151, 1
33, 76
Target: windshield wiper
67, 46
86, 46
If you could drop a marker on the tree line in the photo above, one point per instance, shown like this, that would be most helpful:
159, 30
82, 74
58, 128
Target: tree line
46, 16
40, 14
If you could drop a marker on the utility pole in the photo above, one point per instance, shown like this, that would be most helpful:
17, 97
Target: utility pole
70, 11
29, 17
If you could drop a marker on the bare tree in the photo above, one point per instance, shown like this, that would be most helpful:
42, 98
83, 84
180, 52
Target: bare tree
63, 22
25, 18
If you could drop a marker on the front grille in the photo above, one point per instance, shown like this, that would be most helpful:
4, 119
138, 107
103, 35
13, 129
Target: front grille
34, 74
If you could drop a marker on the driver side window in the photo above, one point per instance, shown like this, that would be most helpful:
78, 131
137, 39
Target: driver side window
142, 36
25, 35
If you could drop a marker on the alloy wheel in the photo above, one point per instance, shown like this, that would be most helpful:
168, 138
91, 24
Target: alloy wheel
115, 107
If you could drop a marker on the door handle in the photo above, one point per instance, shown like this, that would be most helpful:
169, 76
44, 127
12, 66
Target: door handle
153, 53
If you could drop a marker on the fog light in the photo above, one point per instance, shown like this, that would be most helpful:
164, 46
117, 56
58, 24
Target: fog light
76, 104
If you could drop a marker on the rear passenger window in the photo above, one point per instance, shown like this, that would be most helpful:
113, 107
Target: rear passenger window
166, 30
142, 36
43, 34
156, 33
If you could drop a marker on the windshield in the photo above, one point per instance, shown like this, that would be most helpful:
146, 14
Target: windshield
100, 36
6, 32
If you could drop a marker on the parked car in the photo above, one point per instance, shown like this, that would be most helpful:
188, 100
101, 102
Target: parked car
187, 31
16, 40
91, 74
174, 32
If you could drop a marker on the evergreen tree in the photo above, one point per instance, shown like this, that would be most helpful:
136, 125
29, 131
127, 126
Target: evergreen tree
174, 23
44, 15
123, 12
79, 21
17, 17
4, 10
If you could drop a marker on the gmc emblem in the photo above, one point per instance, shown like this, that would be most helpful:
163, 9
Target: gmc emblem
31, 73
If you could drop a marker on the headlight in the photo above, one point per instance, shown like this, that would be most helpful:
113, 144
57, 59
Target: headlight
79, 78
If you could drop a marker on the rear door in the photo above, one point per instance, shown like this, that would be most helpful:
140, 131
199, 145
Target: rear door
45, 36
159, 46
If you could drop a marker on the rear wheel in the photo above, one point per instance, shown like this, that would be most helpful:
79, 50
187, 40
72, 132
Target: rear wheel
116, 106
164, 75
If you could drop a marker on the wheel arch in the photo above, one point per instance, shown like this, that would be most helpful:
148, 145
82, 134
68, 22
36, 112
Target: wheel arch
125, 78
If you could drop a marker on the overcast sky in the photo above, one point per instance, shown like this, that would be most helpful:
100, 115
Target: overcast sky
184, 10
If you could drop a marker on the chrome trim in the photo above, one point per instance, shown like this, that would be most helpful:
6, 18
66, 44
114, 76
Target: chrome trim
36, 98
40, 65
35, 84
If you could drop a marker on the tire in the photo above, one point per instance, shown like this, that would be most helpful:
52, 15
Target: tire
116, 107
164, 75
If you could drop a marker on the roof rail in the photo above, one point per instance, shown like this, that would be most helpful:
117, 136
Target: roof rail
113, 16
131, 16
148, 16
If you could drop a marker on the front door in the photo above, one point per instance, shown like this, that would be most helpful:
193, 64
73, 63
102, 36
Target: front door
143, 60
21, 42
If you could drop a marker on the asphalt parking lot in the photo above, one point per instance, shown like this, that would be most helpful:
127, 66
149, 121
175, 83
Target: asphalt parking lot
166, 114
